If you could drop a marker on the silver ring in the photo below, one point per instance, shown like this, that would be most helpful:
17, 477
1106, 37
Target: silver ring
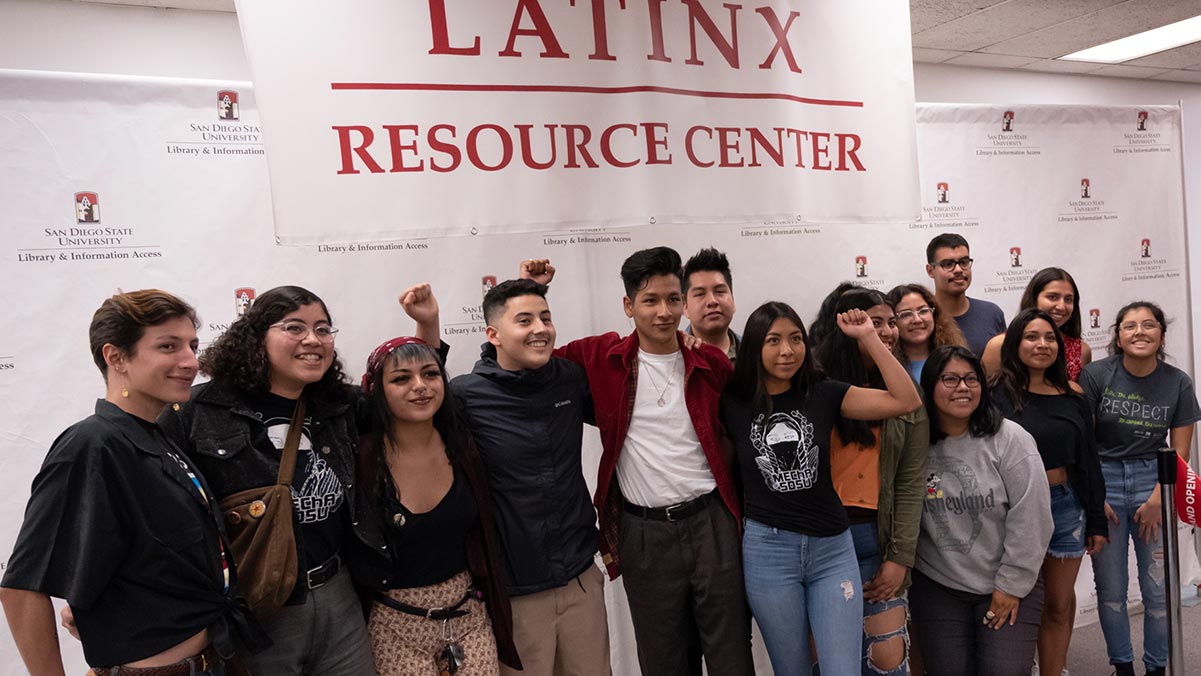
989, 615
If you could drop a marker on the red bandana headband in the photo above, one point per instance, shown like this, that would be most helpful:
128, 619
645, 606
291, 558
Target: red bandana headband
376, 361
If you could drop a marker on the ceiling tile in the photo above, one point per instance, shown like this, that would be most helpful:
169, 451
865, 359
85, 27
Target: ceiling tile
1180, 76
1186, 56
933, 55
1119, 70
1053, 66
925, 14
1110, 23
989, 60
1005, 21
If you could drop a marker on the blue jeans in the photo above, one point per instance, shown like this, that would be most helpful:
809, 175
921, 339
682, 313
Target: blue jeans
867, 549
1128, 484
796, 583
1067, 540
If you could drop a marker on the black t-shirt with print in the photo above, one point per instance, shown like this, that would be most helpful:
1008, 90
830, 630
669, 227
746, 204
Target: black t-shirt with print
784, 458
317, 495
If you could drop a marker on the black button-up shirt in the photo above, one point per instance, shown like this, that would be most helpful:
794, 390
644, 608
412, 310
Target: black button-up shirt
116, 527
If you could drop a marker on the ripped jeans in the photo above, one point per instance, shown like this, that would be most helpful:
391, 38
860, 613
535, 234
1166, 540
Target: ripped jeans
1128, 484
867, 549
796, 583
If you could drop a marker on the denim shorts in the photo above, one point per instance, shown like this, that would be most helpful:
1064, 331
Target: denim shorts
1067, 541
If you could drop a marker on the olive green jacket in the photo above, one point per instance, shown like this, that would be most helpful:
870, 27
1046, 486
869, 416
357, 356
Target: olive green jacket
903, 446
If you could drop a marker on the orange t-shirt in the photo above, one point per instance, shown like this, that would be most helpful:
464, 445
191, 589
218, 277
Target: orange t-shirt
856, 472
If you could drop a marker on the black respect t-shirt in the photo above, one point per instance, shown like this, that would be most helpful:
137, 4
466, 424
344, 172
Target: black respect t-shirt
317, 494
784, 458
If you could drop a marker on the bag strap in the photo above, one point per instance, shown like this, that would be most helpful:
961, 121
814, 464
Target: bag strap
287, 462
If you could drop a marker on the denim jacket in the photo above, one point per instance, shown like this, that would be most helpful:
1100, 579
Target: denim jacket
228, 442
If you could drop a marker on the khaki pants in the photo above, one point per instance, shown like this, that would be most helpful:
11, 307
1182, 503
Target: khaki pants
563, 631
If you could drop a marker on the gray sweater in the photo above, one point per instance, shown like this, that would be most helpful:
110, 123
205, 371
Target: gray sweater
986, 520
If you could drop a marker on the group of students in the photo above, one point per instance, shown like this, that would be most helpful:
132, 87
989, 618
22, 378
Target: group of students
832, 481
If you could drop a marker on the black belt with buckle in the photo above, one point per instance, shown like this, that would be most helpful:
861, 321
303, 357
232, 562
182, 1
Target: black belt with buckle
674, 512
316, 577
441, 613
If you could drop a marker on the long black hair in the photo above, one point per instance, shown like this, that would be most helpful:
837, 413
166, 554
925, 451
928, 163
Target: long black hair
448, 420
825, 322
1013, 378
1039, 281
985, 420
238, 358
747, 383
841, 359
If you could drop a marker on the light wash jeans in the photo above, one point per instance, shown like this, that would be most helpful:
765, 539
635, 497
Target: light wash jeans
867, 549
796, 583
1128, 484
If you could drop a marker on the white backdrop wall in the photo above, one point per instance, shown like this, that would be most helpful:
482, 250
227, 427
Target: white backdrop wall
230, 227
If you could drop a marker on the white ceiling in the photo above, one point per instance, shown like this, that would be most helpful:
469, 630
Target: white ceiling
1017, 34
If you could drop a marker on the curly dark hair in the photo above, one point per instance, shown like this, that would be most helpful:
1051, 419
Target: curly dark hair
237, 359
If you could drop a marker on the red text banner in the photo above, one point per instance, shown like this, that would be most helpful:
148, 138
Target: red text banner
396, 120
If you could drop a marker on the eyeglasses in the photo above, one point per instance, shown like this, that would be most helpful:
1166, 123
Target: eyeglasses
949, 264
298, 331
1147, 326
951, 381
923, 312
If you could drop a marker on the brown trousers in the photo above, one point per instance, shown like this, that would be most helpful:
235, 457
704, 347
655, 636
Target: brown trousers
563, 631
407, 645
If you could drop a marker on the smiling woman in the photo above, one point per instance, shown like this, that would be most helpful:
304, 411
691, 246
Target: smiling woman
120, 524
277, 354
426, 544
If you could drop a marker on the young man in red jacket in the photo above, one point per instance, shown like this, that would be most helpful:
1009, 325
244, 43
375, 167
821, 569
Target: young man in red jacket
665, 498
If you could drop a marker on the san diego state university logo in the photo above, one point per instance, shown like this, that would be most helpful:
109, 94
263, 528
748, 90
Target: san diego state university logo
227, 105
243, 299
1141, 124
1145, 249
861, 266
1007, 121
1094, 318
488, 282
944, 193
1086, 189
1015, 256
87, 207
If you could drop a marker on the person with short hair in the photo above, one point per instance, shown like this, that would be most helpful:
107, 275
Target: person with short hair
798, 554
1140, 402
1053, 291
977, 596
921, 326
122, 525
526, 410
709, 300
665, 497
949, 264
1031, 387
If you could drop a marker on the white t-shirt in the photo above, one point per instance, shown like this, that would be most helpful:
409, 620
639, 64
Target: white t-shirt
662, 462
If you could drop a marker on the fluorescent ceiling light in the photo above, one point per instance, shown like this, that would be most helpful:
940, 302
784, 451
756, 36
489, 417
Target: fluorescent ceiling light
1141, 44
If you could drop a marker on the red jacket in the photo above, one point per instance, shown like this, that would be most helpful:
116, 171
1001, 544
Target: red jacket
610, 362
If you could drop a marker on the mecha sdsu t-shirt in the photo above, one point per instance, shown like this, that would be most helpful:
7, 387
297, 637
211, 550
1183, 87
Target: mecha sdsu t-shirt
317, 495
784, 458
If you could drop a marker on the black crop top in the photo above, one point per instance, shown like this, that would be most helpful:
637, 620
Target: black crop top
430, 547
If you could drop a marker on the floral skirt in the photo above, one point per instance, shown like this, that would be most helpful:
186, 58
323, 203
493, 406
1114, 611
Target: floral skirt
408, 645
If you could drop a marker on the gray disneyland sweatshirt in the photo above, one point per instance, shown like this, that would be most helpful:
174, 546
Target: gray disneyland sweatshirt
986, 517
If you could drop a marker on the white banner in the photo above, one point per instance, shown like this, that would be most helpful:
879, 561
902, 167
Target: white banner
395, 120
124, 183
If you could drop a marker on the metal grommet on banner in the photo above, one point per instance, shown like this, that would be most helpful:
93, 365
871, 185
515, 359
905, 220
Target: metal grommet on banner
652, 220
